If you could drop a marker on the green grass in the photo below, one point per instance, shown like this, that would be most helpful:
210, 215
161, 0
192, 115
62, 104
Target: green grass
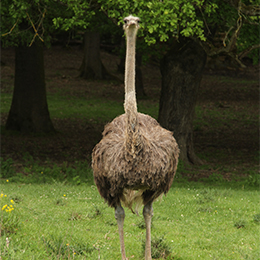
194, 221
213, 118
95, 109
58, 213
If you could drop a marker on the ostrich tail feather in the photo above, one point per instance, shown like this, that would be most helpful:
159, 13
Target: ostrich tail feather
132, 198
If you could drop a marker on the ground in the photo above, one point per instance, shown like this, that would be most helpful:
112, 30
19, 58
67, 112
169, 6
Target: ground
225, 129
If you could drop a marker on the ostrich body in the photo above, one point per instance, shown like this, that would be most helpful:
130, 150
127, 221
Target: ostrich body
136, 160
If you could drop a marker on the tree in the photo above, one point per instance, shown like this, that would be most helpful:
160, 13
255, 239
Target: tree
92, 66
23, 24
28, 25
199, 22
186, 28
181, 69
29, 109
94, 23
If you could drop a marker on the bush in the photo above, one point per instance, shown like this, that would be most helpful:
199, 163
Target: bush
7, 168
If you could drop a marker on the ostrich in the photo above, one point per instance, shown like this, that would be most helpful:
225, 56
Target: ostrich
136, 160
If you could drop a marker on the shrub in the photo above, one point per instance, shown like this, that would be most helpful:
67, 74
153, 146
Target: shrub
7, 168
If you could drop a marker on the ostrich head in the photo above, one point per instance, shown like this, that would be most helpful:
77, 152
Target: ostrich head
131, 25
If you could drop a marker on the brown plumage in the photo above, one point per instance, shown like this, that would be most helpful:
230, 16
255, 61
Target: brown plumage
136, 160
149, 165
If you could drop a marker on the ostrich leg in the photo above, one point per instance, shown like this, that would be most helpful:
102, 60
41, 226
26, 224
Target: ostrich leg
148, 213
120, 216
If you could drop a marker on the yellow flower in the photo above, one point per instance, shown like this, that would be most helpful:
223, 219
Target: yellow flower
4, 206
12, 201
1, 196
64, 195
7, 180
41, 172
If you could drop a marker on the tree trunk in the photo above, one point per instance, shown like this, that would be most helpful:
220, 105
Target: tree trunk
181, 70
29, 110
92, 66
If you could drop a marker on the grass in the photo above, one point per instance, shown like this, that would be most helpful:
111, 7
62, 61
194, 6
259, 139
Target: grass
97, 110
58, 214
194, 221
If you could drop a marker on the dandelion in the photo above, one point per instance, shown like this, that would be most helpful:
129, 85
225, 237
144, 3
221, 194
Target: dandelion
7, 180
1, 196
64, 195
8, 209
3, 208
12, 201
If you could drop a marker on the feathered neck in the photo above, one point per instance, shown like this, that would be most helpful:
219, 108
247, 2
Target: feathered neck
130, 105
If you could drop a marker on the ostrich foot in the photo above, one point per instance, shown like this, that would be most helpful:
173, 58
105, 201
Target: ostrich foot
120, 216
148, 213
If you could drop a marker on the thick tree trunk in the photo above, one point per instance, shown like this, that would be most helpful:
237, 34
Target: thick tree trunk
92, 66
29, 110
181, 70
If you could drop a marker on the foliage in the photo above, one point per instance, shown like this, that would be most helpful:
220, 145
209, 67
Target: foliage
162, 20
253, 180
25, 22
249, 37
234, 29
7, 168
78, 16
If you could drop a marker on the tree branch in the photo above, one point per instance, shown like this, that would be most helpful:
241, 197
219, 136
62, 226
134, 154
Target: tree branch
243, 53
249, 10
10, 29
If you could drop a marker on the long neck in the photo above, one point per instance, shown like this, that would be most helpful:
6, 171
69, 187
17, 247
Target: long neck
133, 138
130, 105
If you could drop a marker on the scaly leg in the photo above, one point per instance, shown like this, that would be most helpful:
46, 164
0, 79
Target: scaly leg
120, 216
148, 213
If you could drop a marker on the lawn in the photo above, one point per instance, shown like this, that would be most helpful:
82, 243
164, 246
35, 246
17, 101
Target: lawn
51, 208
194, 221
